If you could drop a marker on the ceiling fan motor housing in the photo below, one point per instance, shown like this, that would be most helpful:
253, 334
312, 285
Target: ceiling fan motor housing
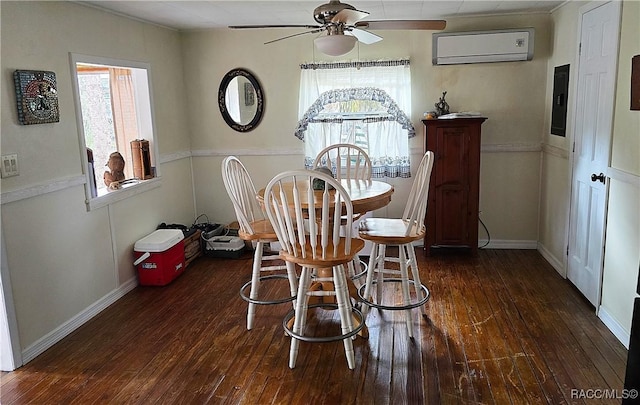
324, 13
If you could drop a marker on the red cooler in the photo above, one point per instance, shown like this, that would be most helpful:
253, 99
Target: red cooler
159, 257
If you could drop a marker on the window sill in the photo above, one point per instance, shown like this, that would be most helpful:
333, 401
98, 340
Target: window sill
127, 191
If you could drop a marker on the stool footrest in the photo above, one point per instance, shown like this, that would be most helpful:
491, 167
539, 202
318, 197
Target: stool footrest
273, 268
425, 292
363, 273
265, 302
323, 339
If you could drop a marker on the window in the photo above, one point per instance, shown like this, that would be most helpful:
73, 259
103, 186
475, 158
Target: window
363, 103
114, 112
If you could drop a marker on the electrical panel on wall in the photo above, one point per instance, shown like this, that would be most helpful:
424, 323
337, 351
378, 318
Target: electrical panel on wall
560, 95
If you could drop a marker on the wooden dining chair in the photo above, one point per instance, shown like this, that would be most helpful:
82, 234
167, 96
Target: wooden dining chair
254, 227
307, 222
401, 232
347, 161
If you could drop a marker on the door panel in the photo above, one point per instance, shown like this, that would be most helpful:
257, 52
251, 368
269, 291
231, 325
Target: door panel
592, 137
452, 192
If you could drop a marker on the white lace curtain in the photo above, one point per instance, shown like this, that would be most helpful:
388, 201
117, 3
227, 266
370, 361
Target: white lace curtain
386, 139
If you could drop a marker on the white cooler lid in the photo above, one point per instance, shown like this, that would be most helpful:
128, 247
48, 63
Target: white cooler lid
159, 241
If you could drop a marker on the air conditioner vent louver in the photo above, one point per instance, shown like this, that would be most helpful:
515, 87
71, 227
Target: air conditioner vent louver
450, 48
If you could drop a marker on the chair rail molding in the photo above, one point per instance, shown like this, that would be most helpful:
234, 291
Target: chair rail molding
41, 189
621, 175
64, 183
247, 152
510, 147
171, 157
555, 151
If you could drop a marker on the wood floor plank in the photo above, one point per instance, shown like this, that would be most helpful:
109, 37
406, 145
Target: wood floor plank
585, 374
501, 328
518, 368
541, 369
446, 380
588, 331
482, 327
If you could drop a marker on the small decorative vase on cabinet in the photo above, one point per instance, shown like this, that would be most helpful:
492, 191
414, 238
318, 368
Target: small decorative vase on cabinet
452, 210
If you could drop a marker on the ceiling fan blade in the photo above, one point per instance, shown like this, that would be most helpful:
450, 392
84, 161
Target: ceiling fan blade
295, 35
365, 37
274, 26
348, 16
402, 25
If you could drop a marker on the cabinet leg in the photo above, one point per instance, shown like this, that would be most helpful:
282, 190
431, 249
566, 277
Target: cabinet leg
427, 250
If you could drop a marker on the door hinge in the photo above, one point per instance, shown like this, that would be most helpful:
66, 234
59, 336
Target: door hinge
567, 250
580, 49
574, 147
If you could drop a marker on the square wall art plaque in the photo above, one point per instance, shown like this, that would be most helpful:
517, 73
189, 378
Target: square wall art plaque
37, 97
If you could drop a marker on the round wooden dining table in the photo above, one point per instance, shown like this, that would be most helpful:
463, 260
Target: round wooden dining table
366, 196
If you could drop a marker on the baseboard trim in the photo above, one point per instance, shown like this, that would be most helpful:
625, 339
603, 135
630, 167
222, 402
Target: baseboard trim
615, 327
74, 323
508, 244
499, 244
553, 261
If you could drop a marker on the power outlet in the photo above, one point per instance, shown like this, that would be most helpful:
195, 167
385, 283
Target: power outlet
9, 165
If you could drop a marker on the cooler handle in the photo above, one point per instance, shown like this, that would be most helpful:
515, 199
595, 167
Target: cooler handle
142, 258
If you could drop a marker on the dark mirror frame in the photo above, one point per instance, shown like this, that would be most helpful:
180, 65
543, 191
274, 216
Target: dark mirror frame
223, 105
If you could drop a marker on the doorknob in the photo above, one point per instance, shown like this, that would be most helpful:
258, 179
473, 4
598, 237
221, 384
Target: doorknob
599, 177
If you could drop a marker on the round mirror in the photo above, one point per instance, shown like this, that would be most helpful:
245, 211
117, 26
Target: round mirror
240, 100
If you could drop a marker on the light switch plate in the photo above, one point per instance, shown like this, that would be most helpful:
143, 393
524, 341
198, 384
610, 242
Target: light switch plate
9, 165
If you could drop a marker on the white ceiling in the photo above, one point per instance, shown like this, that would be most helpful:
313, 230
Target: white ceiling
185, 15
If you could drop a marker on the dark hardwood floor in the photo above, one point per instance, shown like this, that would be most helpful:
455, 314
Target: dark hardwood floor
502, 328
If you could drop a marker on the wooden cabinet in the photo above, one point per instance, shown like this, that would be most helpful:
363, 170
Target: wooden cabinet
452, 209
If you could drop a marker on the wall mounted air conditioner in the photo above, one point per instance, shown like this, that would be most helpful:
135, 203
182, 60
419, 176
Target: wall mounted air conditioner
450, 48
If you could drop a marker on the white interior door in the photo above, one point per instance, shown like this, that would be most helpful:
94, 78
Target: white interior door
599, 36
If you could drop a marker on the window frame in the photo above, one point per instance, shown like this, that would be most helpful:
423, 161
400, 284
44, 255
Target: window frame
129, 190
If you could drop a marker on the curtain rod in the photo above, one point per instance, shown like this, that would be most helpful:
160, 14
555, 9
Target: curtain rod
338, 120
354, 64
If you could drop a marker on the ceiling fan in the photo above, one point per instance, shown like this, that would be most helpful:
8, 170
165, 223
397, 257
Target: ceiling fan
341, 27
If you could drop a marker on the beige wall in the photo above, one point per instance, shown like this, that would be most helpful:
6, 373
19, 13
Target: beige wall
510, 94
62, 259
555, 183
622, 252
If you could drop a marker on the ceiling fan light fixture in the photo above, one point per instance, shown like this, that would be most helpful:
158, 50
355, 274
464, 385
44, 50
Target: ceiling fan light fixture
335, 45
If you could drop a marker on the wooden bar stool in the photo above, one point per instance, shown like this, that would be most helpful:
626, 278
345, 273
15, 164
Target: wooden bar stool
305, 208
347, 161
256, 228
401, 232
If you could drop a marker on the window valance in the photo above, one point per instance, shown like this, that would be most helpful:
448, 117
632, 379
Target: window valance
392, 111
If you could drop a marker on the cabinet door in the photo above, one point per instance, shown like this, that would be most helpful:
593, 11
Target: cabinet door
452, 190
